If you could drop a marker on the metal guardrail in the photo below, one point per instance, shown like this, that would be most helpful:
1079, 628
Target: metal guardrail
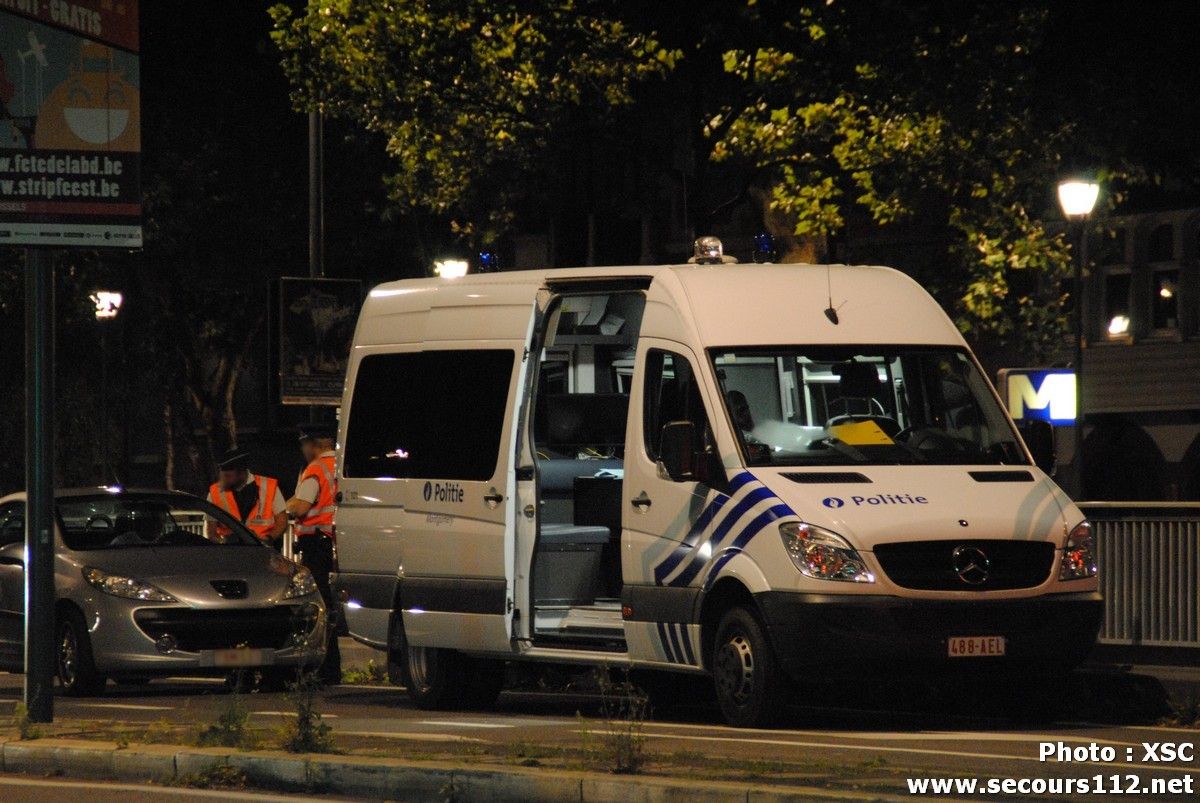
1148, 555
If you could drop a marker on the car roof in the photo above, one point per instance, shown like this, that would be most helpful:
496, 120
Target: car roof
114, 490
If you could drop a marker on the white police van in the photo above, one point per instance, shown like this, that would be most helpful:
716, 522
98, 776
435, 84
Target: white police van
759, 473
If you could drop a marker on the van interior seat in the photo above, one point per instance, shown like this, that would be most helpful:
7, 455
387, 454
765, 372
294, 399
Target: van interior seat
557, 483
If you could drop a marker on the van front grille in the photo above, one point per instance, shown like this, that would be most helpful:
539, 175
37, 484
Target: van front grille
975, 565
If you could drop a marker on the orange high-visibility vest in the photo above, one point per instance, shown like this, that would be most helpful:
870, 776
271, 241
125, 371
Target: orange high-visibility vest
320, 516
262, 519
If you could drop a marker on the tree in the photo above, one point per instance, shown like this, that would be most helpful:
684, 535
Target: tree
893, 110
474, 97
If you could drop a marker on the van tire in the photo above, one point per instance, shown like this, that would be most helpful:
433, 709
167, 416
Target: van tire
435, 677
749, 684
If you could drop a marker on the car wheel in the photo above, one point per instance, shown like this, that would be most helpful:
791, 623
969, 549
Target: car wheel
76, 668
748, 682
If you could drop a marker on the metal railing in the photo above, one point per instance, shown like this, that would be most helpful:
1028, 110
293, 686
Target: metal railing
1149, 560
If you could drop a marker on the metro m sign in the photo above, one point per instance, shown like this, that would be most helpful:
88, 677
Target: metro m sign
1039, 394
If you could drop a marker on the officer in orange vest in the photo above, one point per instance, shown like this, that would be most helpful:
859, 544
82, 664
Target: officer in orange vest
312, 510
253, 500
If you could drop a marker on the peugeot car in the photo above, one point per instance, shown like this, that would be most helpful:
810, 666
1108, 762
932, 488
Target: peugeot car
156, 583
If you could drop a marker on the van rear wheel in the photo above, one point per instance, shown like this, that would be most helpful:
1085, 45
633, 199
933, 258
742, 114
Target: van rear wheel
446, 679
749, 683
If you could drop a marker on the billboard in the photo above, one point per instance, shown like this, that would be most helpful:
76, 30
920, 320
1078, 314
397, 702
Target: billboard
70, 124
316, 327
1039, 394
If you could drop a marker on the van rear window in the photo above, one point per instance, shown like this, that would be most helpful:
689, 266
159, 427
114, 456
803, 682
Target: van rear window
431, 414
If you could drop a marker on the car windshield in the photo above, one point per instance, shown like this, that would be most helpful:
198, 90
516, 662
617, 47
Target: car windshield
133, 521
844, 405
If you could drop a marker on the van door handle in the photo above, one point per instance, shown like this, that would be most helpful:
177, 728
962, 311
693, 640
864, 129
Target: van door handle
641, 502
493, 498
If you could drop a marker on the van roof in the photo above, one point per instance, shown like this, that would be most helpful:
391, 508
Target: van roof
730, 305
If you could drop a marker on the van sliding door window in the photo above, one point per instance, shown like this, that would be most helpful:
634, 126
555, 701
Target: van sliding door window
432, 415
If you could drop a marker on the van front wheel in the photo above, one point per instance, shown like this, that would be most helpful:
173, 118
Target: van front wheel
748, 681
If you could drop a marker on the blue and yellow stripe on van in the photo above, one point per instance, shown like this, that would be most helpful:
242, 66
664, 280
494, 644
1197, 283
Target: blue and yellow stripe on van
723, 529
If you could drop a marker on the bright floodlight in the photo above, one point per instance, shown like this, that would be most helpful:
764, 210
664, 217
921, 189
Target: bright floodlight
451, 268
108, 304
1078, 198
1119, 325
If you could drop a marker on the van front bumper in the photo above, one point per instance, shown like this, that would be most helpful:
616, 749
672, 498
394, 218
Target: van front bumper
886, 634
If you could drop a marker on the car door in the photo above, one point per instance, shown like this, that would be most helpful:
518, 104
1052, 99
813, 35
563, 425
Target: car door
666, 522
12, 585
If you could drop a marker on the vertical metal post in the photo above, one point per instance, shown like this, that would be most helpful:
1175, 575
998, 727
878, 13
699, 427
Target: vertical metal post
39, 484
316, 195
316, 208
105, 473
1080, 265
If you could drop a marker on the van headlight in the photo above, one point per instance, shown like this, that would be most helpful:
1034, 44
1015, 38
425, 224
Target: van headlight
1079, 554
822, 554
125, 587
301, 585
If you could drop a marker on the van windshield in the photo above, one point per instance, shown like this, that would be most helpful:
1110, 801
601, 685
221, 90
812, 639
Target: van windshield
843, 405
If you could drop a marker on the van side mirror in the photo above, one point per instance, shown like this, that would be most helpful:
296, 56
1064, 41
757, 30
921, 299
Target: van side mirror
676, 452
1039, 437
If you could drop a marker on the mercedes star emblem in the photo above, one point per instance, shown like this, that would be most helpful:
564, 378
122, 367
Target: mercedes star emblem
970, 564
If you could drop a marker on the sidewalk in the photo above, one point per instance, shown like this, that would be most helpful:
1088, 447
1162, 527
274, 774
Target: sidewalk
379, 778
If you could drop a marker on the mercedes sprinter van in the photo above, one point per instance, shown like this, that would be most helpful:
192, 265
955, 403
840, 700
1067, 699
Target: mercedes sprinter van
757, 473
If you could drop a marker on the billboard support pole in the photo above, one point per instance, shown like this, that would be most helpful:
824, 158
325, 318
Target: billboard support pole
316, 208
39, 484
316, 195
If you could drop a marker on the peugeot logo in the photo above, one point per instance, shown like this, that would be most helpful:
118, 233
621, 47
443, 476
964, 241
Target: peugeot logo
970, 564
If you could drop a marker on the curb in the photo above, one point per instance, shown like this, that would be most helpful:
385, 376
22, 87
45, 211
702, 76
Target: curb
381, 778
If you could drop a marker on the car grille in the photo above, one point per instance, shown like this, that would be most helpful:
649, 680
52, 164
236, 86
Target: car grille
947, 565
196, 630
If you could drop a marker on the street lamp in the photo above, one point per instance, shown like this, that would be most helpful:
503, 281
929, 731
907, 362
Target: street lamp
1078, 198
108, 304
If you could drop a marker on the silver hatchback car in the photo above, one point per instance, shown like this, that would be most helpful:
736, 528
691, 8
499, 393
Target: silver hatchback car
155, 583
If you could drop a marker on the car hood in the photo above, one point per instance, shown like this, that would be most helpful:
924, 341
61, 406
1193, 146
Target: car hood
188, 572
872, 505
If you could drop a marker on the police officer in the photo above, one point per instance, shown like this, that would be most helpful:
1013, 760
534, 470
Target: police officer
256, 501
312, 509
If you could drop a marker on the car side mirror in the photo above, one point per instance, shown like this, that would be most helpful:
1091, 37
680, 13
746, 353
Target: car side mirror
677, 453
1039, 437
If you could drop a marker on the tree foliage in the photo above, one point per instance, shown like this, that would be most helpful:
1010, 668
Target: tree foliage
470, 94
896, 110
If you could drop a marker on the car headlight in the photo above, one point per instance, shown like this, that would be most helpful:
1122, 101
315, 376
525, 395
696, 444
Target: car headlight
301, 585
822, 554
1079, 554
125, 587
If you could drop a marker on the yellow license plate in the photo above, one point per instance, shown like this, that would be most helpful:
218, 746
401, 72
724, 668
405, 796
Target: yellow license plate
238, 657
975, 646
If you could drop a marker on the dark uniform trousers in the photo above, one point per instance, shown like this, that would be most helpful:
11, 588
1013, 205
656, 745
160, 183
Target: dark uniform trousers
316, 553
